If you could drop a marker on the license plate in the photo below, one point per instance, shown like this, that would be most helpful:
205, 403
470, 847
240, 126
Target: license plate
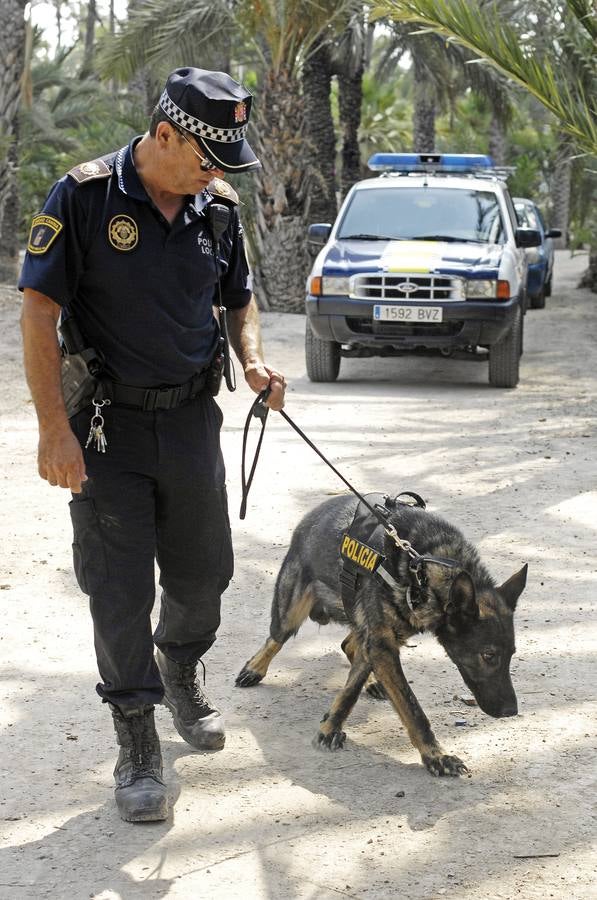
408, 313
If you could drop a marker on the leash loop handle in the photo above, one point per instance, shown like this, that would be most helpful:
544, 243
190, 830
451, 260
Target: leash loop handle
258, 410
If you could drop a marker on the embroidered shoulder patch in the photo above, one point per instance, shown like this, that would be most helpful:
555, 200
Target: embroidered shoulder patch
44, 231
87, 171
360, 554
220, 188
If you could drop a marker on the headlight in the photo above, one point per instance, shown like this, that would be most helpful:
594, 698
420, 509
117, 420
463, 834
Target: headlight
481, 290
333, 285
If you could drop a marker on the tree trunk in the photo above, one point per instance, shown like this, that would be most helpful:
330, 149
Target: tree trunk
424, 106
350, 98
589, 279
89, 44
561, 187
497, 141
143, 86
12, 58
58, 6
10, 244
320, 137
281, 260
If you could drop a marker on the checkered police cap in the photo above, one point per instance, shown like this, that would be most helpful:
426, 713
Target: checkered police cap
215, 109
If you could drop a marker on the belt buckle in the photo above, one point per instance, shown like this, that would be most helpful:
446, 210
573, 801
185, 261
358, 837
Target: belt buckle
162, 398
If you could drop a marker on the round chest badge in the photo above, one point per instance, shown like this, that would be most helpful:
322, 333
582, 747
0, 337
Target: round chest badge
123, 233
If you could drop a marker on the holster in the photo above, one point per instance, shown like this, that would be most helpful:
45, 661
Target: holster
78, 386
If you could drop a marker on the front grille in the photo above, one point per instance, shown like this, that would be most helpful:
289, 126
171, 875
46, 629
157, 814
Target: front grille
403, 329
404, 287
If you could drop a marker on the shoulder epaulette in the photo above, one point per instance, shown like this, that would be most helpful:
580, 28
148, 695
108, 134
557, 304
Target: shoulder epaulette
88, 171
223, 191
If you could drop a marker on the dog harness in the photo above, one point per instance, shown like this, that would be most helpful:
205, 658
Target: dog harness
362, 545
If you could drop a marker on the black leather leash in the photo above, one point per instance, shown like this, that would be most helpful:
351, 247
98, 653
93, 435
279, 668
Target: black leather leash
417, 561
260, 410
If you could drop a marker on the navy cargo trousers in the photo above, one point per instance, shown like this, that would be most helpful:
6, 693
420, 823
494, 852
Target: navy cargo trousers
157, 494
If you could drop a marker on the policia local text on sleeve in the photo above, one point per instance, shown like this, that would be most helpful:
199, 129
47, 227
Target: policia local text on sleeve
124, 244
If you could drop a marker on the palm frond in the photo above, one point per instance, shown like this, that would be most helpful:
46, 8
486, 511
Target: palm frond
162, 29
482, 31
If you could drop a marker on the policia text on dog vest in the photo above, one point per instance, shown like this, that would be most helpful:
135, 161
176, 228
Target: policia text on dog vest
360, 548
362, 545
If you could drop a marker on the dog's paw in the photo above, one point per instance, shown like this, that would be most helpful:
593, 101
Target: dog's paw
376, 690
247, 678
442, 764
332, 741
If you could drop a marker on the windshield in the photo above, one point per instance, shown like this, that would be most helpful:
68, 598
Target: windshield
423, 213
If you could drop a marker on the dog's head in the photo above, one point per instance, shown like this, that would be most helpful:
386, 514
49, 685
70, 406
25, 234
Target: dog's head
477, 633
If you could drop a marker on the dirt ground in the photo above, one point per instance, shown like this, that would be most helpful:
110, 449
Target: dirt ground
270, 817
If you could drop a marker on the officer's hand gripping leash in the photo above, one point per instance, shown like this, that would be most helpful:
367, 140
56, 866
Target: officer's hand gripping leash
218, 217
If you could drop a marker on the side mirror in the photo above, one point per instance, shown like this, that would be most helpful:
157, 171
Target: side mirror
528, 237
553, 232
319, 233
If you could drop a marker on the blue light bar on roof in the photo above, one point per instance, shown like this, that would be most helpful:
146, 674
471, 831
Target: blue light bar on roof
429, 162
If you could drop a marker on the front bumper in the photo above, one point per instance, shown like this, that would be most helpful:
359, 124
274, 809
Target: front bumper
465, 324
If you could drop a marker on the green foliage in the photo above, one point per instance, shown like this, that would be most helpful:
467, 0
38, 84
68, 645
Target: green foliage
386, 123
70, 120
561, 73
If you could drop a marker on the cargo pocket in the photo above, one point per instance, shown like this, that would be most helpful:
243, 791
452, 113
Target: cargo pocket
89, 553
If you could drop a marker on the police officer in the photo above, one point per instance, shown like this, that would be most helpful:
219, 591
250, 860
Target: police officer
124, 242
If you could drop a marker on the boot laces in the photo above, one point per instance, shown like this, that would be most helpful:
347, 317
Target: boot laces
143, 747
194, 699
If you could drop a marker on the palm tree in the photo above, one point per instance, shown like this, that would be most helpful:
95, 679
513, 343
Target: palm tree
12, 60
563, 78
440, 72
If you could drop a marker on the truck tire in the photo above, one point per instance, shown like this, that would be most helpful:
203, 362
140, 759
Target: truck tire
538, 302
504, 357
322, 357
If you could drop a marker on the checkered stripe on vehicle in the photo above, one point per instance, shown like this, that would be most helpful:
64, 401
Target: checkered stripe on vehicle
196, 126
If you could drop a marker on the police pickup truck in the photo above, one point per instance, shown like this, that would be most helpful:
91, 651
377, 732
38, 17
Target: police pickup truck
426, 256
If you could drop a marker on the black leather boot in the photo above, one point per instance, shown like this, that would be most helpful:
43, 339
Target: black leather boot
140, 791
195, 718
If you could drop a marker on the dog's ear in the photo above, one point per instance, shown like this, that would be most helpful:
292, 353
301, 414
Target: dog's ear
462, 608
513, 588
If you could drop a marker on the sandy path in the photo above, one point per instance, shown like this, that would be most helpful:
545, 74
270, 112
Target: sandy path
270, 817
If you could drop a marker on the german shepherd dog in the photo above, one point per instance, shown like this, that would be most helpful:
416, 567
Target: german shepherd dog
470, 617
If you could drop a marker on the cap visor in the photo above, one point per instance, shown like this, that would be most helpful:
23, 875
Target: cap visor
234, 157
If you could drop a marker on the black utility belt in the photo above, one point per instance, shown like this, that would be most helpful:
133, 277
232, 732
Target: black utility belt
149, 399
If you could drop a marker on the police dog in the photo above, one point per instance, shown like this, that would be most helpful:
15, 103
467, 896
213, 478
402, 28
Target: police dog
459, 603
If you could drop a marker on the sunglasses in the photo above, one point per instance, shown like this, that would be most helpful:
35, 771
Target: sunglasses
204, 164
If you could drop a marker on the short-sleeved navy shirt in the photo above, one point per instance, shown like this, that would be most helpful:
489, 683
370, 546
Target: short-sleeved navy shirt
140, 289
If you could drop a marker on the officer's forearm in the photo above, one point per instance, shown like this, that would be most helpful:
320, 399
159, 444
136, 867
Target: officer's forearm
244, 332
42, 359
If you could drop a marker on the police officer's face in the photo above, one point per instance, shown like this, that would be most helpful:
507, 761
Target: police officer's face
188, 171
